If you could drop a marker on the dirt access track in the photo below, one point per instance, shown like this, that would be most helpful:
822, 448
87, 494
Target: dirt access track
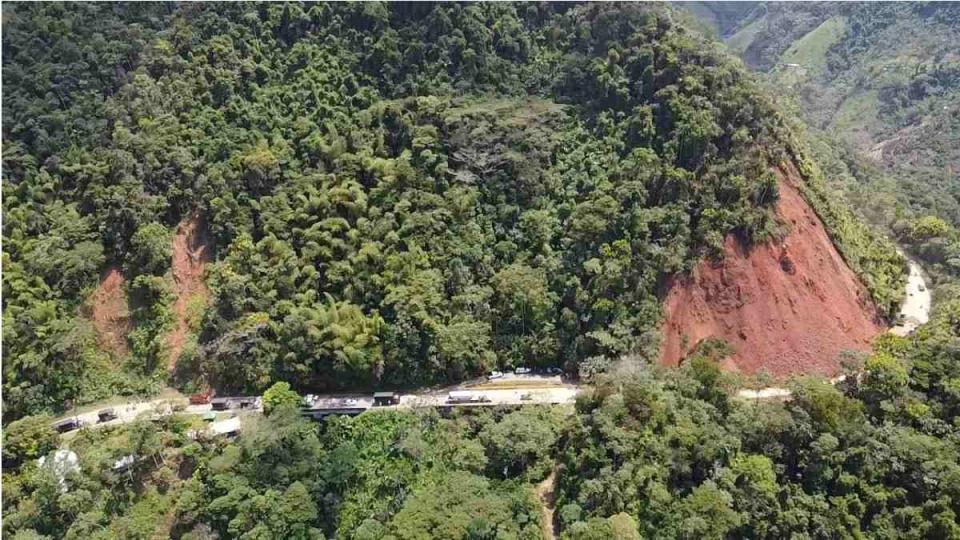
786, 308
191, 253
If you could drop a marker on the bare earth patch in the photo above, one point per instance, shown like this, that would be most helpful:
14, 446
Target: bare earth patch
108, 311
546, 492
786, 308
191, 253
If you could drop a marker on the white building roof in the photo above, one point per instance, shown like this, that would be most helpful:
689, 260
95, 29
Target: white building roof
223, 427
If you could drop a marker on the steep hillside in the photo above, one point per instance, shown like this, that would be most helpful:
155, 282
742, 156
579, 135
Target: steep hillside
786, 307
878, 83
398, 194
388, 195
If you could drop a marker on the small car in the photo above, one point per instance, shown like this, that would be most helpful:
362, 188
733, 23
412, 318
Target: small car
494, 375
350, 402
523, 371
554, 371
921, 287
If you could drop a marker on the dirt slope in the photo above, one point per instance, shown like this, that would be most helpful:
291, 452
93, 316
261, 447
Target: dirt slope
786, 308
192, 252
546, 493
108, 311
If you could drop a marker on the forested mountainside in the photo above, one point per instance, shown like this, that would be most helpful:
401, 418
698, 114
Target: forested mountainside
341, 195
394, 193
885, 81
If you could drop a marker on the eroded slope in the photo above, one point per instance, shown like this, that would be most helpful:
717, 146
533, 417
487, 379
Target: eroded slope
191, 253
785, 308
108, 311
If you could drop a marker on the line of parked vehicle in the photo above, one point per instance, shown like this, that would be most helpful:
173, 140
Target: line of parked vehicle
523, 370
310, 401
71, 424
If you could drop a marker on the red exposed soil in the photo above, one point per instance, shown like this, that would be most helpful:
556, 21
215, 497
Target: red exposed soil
107, 309
786, 308
191, 254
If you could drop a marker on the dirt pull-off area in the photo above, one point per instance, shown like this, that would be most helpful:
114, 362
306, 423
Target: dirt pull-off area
108, 311
785, 308
191, 253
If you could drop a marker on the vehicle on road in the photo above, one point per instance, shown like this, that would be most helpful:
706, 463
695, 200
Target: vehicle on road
495, 375
554, 371
106, 415
462, 396
69, 424
220, 404
523, 371
350, 402
526, 396
921, 287
202, 398
385, 399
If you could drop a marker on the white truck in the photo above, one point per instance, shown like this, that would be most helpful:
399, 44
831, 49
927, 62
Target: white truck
464, 396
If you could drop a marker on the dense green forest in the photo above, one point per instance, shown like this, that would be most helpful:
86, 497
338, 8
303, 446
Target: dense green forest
396, 193
407, 194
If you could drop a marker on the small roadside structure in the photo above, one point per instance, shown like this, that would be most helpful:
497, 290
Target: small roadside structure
124, 463
209, 416
385, 399
248, 402
229, 427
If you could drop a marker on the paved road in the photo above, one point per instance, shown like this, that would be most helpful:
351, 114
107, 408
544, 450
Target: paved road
511, 390
528, 395
129, 412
